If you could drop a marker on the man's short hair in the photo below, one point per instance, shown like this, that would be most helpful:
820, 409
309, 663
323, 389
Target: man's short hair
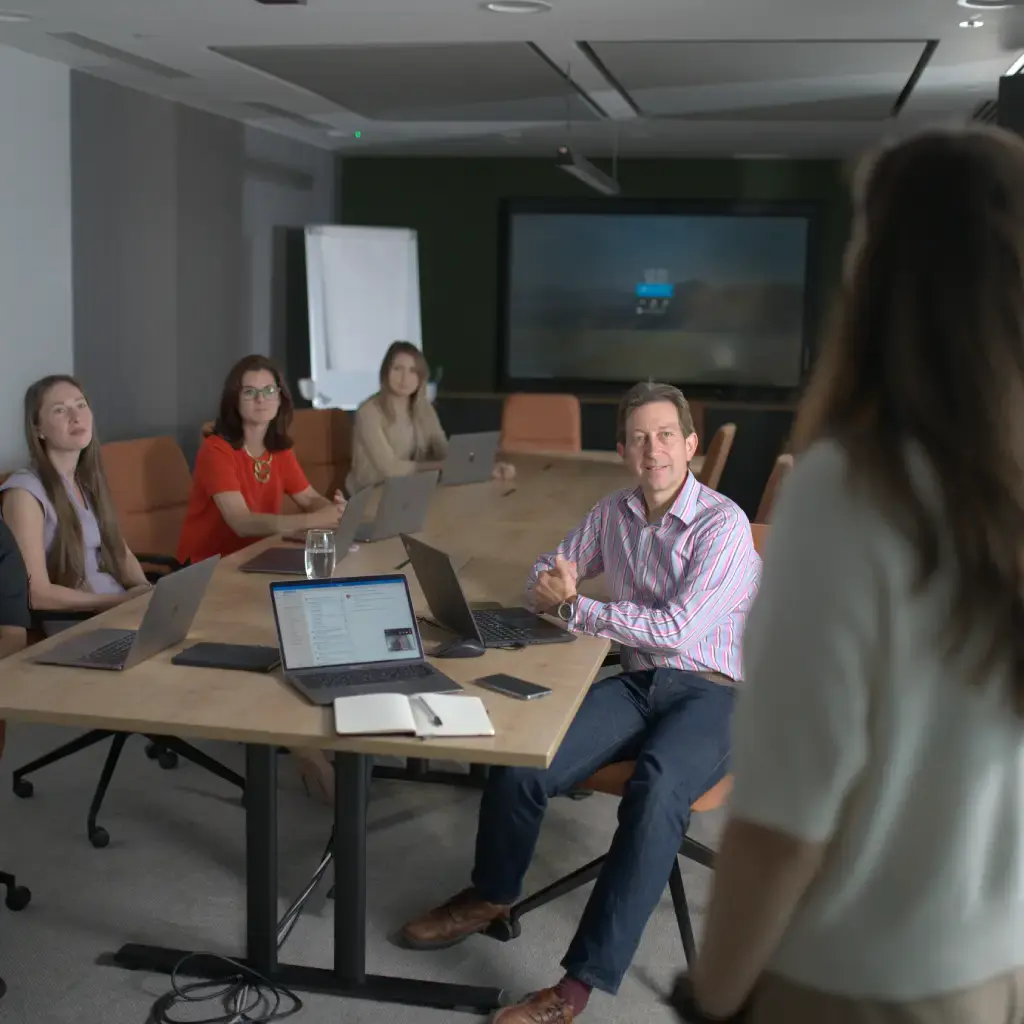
640, 395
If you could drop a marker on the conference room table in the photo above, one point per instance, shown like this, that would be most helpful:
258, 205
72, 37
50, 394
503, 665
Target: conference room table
494, 531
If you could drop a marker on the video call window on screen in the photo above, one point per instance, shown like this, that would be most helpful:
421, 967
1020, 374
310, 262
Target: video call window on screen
345, 622
619, 291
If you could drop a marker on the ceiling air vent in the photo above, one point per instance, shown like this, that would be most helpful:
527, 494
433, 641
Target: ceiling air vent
269, 110
112, 53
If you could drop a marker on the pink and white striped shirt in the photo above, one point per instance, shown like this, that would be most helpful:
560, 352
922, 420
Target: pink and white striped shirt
681, 588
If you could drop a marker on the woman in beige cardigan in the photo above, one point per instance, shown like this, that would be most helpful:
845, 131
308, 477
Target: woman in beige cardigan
396, 430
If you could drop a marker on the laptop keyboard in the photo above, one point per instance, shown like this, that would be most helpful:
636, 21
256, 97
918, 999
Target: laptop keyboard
494, 629
113, 653
316, 680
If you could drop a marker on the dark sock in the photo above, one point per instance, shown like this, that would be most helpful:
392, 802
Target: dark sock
575, 993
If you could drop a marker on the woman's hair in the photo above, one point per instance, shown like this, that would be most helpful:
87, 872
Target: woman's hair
926, 352
229, 423
418, 398
65, 561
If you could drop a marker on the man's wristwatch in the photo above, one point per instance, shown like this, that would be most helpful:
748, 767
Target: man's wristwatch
566, 609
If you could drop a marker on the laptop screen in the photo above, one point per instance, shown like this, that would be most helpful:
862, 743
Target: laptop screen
345, 622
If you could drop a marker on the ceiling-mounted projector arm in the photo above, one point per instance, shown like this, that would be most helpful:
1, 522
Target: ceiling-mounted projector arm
581, 168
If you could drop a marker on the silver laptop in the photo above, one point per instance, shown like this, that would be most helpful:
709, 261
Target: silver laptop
350, 636
470, 458
403, 506
173, 606
292, 561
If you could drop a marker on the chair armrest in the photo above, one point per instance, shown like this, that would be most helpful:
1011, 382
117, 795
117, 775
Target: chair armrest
165, 560
160, 562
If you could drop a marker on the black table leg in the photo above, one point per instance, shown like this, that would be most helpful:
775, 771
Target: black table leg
348, 977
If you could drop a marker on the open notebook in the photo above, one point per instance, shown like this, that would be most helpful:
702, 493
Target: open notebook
433, 714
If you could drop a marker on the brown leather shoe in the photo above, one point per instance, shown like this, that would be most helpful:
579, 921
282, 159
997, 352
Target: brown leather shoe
452, 922
544, 1007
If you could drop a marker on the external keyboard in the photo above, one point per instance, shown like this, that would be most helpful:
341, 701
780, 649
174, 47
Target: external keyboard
495, 630
316, 680
112, 653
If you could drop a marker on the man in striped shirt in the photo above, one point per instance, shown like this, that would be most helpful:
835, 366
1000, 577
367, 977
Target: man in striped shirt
682, 571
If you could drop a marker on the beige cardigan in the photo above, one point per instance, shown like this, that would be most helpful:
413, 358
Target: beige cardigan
382, 448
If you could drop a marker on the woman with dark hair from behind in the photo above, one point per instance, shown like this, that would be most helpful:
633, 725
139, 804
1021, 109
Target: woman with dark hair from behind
872, 869
396, 431
242, 473
60, 511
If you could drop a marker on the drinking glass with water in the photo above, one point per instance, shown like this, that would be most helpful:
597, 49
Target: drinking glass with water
320, 554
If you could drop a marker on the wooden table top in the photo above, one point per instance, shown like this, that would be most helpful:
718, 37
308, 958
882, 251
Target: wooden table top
493, 530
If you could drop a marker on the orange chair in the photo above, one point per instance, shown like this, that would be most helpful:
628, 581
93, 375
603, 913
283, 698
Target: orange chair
783, 464
323, 446
541, 423
717, 456
612, 780
150, 484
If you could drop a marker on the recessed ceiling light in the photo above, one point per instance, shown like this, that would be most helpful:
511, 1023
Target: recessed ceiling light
517, 6
989, 5
14, 16
972, 23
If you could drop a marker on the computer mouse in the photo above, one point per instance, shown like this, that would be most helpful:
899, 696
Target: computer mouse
463, 648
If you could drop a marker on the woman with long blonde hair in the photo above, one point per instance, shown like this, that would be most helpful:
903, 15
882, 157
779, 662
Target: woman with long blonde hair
60, 510
396, 430
872, 870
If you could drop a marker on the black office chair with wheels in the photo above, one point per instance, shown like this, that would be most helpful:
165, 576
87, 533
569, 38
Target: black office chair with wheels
165, 750
18, 897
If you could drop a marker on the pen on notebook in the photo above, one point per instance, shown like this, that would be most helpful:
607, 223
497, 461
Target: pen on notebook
432, 715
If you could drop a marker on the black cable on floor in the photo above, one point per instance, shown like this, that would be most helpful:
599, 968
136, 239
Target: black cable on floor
247, 997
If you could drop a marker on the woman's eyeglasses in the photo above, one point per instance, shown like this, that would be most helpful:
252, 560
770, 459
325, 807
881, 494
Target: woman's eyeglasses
251, 394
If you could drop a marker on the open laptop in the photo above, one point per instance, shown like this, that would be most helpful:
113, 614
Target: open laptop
470, 458
499, 627
403, 506
292, 561
173, 606
350, 636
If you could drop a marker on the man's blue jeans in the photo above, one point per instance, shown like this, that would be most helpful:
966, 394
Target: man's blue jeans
675, 725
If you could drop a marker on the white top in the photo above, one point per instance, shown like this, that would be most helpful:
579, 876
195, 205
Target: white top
856, 729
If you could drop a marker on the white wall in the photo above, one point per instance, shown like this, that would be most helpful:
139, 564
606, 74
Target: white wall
35, 235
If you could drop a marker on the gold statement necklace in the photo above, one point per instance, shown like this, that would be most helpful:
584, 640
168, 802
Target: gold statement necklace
260, 466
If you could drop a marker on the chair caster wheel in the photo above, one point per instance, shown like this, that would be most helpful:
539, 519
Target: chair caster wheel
99, 837
505, 929
23, 788
579, 794
18, 898
167, 759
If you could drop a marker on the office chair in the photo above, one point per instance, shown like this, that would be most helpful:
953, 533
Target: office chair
717, 456
612, 779
18, 897
538, 423
165, 750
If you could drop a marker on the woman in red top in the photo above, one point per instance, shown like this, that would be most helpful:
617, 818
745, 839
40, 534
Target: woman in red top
242, 473
246, 467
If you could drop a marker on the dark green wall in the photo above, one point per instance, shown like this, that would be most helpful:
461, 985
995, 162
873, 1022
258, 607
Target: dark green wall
454, 205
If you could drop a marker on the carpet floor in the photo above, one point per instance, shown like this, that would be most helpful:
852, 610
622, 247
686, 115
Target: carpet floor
173, 875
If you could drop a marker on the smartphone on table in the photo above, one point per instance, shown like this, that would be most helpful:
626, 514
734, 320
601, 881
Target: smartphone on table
511, 686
